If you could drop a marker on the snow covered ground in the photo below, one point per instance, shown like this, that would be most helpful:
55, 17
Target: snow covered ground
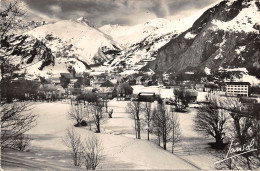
121, 149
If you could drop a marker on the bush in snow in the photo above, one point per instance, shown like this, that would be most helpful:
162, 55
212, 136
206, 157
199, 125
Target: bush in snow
21, 142
73, 141
92, 152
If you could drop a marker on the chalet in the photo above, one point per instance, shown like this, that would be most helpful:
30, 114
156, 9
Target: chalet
86, 82
101, 77
246, 100
55, 80
72, 83
139, 80
146, 96
107, 87
166, 77
60, 92
97, 83
237, 88
200, 87
65, 79
194, 95
49, 90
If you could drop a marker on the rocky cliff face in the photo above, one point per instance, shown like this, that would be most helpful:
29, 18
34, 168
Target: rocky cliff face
226, 36
25, 51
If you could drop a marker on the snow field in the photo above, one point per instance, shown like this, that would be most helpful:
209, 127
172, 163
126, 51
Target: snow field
121, 149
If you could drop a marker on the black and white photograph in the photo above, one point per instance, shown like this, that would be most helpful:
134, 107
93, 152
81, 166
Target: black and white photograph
129, 85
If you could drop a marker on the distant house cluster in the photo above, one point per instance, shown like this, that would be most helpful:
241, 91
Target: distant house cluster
75, 83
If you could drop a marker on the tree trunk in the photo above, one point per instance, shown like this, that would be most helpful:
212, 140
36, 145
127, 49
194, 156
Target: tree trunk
148, 130
98, 125
135, 130
172, 139
164, 139
164, 142
219, 140
158, 135
148, 137
138, 129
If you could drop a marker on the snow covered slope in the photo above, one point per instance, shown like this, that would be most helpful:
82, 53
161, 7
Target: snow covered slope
79, 38
128, 35
142, 42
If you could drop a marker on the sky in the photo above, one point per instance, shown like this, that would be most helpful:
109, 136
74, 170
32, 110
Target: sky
122, 12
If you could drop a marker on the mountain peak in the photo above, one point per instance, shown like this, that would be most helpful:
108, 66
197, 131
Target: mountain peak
84, 21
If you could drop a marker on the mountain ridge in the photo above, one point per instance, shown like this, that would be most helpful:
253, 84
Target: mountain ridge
206, 44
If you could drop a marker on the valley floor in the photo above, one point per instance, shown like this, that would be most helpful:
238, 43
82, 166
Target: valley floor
121, 149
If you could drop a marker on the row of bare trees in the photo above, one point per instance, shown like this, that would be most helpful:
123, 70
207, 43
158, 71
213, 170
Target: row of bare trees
157, 120
87, 152
228, 120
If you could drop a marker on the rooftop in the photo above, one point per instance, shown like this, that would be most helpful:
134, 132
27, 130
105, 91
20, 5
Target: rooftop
238, 83
107, 84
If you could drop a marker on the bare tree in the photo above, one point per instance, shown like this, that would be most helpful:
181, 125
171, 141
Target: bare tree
236, 162
134, 108
97, 111
163, 122
147, 110
212, 121
9, 16
229, 164
244, 130
77, 113
156, 126
92, 152
176, 131
10, 12
244, 133
88, 114
16, 119
73, 141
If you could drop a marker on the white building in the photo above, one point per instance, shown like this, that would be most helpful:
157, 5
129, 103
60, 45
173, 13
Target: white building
237, 88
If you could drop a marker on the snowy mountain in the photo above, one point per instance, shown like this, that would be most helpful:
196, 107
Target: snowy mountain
77, 40
225, 36
128, 35
142, 42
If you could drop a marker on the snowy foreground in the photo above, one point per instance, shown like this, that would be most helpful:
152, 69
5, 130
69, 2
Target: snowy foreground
121, 149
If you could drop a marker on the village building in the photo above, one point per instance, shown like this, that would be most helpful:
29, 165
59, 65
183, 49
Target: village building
72, 83
200, 87
146, 96
139, 80
55, 80
107, 87
237, 88
166, 77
